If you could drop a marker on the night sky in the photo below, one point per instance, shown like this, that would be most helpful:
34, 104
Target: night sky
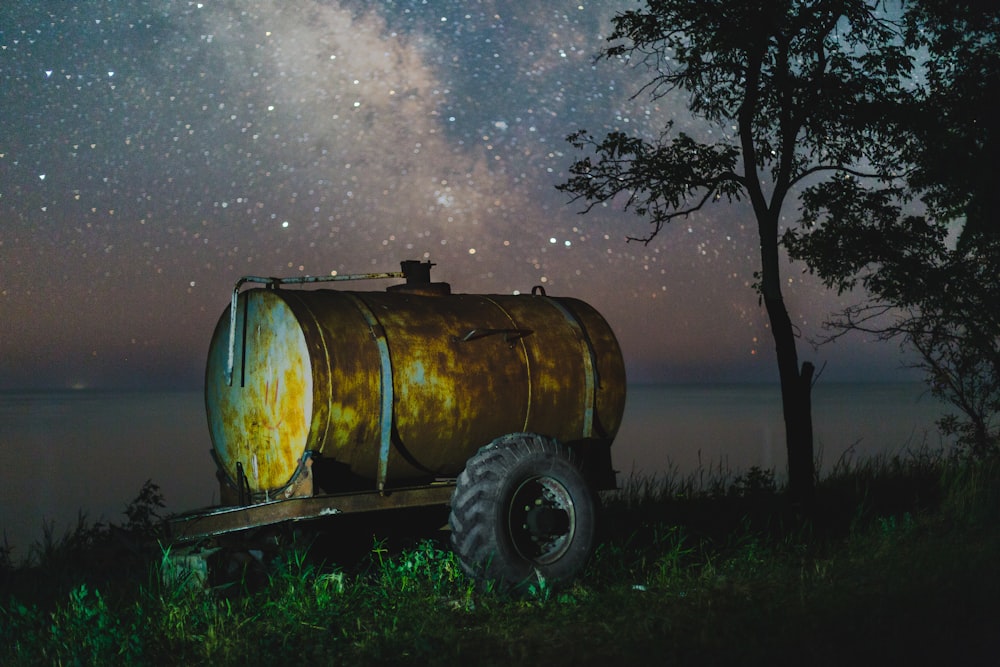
154, 151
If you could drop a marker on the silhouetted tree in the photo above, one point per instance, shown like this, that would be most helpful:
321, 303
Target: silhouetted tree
937, 293
798, 89
954, 121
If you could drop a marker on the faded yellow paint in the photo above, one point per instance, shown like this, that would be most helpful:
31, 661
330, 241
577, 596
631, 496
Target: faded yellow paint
262, 420
311, 379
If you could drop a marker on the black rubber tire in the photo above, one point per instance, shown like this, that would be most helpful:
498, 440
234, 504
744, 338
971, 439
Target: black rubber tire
522, 513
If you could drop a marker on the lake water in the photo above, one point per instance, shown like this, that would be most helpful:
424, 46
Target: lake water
65, 452
690, 427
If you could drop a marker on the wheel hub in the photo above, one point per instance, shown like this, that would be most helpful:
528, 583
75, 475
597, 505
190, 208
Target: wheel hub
542, 519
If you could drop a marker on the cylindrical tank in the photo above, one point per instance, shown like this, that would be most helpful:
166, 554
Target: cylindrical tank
403, 384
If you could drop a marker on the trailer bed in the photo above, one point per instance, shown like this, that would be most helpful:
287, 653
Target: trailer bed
214, 521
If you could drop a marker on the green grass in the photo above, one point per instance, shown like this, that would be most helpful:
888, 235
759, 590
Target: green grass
897, 564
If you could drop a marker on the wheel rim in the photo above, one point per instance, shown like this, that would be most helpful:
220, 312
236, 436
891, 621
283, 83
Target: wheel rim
541, 519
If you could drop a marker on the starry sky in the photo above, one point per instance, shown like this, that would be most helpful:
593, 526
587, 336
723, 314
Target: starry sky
154, 151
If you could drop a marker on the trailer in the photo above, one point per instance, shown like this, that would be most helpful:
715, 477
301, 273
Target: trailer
325, 401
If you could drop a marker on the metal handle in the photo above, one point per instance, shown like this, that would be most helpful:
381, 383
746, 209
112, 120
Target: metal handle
509, 335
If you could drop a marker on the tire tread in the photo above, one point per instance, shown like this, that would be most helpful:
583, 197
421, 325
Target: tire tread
473, 506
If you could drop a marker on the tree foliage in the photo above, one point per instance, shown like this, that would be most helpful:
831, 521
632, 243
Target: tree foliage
937, 294
953, 121
800, 90
804, 84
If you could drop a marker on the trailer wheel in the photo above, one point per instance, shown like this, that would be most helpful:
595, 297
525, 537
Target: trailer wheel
522, 513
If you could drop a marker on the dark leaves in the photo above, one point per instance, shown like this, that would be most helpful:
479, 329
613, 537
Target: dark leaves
659, 181
807, 87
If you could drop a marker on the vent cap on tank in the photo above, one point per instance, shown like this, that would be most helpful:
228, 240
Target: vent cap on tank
418, 280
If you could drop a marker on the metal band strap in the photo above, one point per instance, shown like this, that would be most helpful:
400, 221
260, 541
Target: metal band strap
385, 367
589, 366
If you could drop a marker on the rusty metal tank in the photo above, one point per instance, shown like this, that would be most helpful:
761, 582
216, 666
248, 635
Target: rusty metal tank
403, 384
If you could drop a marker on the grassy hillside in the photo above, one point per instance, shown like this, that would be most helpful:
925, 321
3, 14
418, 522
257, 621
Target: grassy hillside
897, 564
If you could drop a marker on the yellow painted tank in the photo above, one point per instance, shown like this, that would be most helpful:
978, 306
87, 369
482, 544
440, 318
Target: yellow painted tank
401, 385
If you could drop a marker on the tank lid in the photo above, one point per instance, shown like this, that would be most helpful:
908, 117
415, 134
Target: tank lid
418, 280
416, 271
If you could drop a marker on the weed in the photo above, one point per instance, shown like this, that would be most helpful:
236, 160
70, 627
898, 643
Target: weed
891, 527
85, 631
143, 513
972, 490
754, 483
6, 560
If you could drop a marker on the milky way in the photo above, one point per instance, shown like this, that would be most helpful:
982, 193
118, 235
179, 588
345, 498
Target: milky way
153, 151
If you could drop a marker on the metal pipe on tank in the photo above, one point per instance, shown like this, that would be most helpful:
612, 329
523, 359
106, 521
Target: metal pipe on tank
294, 280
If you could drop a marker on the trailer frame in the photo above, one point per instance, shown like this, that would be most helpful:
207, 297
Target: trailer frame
215, 521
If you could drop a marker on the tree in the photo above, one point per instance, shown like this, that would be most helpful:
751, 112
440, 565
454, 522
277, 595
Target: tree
954, 127
935, 293
804, 84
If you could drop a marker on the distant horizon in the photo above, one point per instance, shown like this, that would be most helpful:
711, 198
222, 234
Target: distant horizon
840, 362
640, 382
125, 437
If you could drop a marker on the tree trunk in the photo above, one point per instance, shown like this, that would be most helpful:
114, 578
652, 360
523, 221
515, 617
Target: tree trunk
796, 386
796, 402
